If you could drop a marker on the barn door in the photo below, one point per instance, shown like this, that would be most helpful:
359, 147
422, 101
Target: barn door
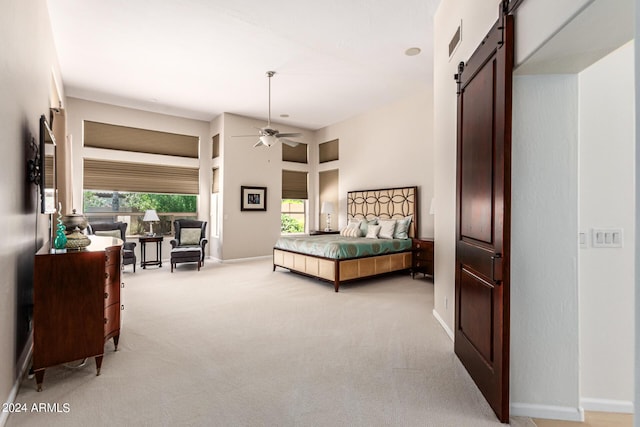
483, 214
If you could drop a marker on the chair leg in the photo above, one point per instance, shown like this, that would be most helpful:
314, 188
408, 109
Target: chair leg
172, 267
198, 265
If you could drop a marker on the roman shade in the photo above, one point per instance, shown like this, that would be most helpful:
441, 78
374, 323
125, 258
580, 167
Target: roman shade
328, 151
296, 154
215, 146
124, 138
139, 177
215, 181
294, 185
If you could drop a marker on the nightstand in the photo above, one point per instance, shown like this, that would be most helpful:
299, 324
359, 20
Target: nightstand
319, 232
422, 256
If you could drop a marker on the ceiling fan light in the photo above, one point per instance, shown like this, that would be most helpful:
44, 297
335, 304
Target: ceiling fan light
268, 140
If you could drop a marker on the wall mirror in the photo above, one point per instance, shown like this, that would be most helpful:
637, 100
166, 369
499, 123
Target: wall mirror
47, 167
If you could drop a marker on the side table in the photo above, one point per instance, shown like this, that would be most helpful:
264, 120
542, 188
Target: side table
143, 253
422, 256
319, 232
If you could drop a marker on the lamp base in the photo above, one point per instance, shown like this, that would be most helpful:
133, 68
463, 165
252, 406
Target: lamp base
327, 229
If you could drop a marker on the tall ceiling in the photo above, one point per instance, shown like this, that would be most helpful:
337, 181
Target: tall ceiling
199, 58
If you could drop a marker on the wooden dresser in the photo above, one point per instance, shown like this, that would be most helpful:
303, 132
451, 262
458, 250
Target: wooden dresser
422, 256
76, 304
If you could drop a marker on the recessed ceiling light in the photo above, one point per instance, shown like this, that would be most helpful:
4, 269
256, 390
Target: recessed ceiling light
412, 51
284, 115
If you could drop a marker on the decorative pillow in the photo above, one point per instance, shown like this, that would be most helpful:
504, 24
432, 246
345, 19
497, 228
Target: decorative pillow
402, 228
373, 231
352, 229
388, 226
190, 236
364, 225
108, 233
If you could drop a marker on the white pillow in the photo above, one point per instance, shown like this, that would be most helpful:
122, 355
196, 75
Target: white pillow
388, 226
373, 231
352, 229
402, 228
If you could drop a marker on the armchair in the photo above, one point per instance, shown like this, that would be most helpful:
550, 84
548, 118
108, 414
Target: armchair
119, 230
189, 243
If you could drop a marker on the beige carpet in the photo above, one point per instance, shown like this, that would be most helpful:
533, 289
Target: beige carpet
239, 345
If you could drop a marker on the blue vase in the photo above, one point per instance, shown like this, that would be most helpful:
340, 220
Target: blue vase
60, 240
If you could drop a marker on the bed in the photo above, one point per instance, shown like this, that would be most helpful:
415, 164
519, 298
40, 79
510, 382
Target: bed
340, 259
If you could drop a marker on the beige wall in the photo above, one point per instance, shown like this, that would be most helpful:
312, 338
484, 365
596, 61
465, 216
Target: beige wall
28, 61
391, 146
248, 234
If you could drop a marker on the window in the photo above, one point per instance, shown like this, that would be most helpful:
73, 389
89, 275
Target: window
294, 202
293, 216
328, 151
129, 207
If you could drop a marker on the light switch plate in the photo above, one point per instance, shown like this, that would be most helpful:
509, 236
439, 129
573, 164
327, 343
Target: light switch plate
606, 237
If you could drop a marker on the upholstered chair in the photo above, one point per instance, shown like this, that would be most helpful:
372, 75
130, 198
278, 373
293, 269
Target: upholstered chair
189, 242
118, 230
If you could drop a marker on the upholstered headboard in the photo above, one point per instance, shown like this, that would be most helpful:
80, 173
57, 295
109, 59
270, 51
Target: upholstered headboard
385, 203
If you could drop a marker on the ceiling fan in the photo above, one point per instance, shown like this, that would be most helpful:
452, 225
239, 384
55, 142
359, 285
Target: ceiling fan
267, 135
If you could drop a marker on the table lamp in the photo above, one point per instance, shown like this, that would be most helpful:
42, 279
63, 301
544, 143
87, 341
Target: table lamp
327, 208
150, 215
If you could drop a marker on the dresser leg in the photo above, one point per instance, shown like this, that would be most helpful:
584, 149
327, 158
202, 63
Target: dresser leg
39, 379
98, 364
115, 341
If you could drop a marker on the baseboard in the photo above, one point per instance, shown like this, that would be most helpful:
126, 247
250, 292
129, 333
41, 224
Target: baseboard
563, 413
443, 324
607, 405
4, 416
230, 261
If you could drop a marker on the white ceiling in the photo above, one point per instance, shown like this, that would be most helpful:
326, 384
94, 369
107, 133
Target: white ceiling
199, 58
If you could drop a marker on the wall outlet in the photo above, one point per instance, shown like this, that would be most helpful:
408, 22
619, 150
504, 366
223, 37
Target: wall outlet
606, 237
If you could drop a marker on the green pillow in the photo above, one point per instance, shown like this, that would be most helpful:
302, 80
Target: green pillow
190, 236
364, 225
108, 233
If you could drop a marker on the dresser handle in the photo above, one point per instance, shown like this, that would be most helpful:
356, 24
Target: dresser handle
106, 295
106, 275
105, 320
122, 307
122, 285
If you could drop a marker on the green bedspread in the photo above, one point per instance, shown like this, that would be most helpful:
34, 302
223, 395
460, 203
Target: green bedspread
339, 247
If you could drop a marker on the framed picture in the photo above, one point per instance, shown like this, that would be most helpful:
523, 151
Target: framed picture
253, 198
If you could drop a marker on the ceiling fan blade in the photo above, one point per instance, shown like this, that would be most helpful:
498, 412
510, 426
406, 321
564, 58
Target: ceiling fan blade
257, 144
289, 142
286, 135
243, 136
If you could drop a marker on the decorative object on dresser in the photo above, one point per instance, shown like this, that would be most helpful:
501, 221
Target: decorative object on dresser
150, 216
143, 250
422, 256
189, 243
327, 208
339, 259
76, 304
118, 230
75, 224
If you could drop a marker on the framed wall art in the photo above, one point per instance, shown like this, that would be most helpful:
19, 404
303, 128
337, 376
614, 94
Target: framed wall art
253, 198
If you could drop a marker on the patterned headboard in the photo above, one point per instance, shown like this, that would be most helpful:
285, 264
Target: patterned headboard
385, 203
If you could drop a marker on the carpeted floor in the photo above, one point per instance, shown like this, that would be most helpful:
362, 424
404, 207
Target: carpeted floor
239, 345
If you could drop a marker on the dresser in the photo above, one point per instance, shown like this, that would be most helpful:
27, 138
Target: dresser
76, 304
422, 256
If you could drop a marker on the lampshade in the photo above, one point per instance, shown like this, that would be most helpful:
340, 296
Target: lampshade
327, 208
151, 215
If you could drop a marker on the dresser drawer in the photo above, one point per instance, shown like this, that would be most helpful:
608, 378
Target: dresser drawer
112, 256
111, 319
112, 274
111, 294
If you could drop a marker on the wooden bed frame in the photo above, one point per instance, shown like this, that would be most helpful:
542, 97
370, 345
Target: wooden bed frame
366, 204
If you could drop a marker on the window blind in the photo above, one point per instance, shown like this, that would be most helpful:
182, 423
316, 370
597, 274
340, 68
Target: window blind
215, 181
294, 185
215, 146
328, 151
296, 154
139, 177
124, 138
